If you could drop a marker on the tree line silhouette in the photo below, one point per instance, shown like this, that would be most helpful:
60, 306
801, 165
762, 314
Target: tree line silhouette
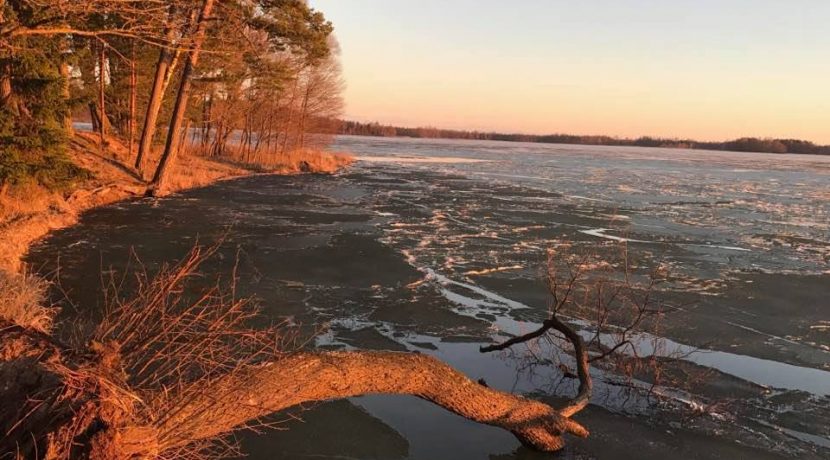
744, 144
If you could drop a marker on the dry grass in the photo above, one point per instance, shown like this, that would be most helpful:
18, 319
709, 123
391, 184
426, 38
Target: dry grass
25, 199
313, 161
192, 171
307, 160
26, 213
29, 212
22, 300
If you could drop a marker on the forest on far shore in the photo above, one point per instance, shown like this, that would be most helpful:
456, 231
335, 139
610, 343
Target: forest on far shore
744, 144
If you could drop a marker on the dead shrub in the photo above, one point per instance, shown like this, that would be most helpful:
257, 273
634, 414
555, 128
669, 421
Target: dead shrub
166, 344
176, 344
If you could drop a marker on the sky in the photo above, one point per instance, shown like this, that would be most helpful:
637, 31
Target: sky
703, 69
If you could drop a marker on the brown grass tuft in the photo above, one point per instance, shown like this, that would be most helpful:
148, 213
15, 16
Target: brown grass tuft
22, 299
192, 171
314, 161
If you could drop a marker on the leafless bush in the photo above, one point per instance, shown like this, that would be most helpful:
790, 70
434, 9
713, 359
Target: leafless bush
605, 315
174, 346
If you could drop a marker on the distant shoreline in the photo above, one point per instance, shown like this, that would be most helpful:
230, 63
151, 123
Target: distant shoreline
745, 144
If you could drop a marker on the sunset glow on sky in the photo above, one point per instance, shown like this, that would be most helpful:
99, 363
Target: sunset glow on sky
704, 69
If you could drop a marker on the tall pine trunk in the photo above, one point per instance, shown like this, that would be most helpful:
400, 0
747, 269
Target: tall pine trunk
303, 115
156, 96
207, 125
133, 83
102, 113
93, 116
171, 148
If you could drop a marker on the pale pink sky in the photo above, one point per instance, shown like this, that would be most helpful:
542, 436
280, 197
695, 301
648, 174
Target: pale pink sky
704, 69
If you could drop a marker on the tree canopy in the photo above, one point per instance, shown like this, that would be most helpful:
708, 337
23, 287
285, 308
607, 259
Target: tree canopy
121, 63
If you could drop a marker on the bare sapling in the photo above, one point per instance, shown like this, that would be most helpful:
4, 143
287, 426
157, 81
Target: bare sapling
602, 315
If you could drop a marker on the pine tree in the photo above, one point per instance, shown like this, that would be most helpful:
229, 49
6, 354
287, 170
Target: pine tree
33, 113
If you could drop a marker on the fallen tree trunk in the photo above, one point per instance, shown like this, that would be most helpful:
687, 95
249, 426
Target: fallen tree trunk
88, 410
166, 377
307, 377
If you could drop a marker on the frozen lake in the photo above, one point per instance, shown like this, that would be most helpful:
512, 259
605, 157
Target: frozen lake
438, 247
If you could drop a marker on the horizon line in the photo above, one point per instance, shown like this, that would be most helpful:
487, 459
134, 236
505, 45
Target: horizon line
563, 133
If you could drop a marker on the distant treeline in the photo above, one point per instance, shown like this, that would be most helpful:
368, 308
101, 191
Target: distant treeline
746, 144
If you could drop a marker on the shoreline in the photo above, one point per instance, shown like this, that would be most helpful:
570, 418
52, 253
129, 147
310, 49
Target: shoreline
26, 220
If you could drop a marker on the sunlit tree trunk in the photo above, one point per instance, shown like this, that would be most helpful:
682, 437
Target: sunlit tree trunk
133, 84
172, 145
7, 97
303, 115
94, 422
308, 377
207, 103
5, 83
290, 109
102, 114
93, 116
176, 56
156, 96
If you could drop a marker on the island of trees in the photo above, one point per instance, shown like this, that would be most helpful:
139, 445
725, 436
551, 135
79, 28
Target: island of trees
745, 144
